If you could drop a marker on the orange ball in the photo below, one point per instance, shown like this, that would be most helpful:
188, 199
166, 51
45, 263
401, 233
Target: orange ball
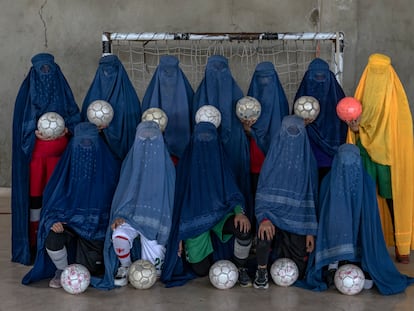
348, 109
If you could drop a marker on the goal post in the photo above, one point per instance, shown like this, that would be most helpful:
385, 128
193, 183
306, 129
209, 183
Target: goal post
290, 53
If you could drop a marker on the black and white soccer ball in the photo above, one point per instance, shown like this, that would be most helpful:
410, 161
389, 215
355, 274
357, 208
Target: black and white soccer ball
142, 274
223, 274
248, 108
208, 113
306, 107
100, 113
157, 115
51, 125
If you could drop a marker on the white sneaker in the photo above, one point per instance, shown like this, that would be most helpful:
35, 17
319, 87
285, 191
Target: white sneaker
55, 282
121, 277
368, 284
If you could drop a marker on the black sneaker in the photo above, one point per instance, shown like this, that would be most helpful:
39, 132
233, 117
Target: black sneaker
261, 280
330, 278
244, 278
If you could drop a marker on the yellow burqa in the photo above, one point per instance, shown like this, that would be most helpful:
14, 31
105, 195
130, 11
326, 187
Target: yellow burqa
386, 132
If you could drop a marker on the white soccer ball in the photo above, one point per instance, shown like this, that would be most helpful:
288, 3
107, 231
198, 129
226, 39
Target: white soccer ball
75, 279
248, 109
142, 274
307, 107
51, 125
208, 113
349, 279
284, 272
157, 115
100, 113
223, 274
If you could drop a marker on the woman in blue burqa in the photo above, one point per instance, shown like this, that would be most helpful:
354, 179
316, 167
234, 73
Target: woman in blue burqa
77, 202
327, 132
265, 86
350, 227
112, 84
44, 89
208, 212
286, 200
141, 214
219, 89
171, 91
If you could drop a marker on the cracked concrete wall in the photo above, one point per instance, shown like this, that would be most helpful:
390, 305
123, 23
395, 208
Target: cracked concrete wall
71, 31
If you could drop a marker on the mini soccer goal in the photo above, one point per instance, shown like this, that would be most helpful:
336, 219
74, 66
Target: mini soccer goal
290, 53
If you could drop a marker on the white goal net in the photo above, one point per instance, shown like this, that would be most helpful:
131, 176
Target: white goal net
290, 53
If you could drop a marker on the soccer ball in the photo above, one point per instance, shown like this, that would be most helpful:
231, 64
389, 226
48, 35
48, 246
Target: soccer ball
208, 113
75, 279
142, 274
348, 109
349, 279
157, 115
51, 125
100, 113
307, 107
284, 272
223, 274
248, 109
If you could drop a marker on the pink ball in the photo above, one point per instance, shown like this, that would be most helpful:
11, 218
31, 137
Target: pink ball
348, 109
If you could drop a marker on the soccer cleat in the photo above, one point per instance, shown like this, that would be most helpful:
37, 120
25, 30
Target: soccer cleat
55, 282
261, 280
121, 277
244, 278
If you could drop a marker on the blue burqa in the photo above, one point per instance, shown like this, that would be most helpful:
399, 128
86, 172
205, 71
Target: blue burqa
350, 227
206, 192
288, 182
220, 89
327, 132
265, 86
170, 91
79, 193
112, 84
144, 196
44, 89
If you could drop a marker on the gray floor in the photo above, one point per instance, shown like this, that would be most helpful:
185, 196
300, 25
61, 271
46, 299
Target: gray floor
196, 295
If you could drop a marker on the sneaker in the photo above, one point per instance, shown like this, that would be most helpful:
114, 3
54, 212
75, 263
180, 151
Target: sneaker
55, 282
244, 278
261, 279
121, 277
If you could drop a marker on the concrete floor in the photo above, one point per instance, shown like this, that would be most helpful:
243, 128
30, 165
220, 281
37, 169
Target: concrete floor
196, 295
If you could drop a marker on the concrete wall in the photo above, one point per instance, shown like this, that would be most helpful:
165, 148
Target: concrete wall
71, 31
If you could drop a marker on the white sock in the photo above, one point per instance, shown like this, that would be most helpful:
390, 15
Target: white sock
122, 249
59, 257
333, 266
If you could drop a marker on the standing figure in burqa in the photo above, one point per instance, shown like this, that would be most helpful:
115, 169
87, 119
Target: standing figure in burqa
77, 203
384, 134
208, 219
265, 86
327, 132
45, 89
286, 200
112, 84
171, 91
220, 89
350, 228
142, 208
